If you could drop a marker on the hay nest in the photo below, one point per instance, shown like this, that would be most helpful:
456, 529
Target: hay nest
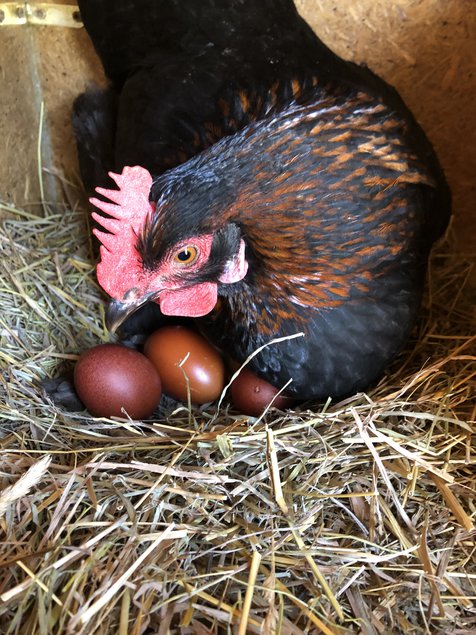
351, 517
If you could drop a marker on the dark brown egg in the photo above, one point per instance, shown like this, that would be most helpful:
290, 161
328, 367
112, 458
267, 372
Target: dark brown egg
110, 377
251, 395
204, 368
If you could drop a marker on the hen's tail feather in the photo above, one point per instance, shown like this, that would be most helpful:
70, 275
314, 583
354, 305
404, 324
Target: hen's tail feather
124, 32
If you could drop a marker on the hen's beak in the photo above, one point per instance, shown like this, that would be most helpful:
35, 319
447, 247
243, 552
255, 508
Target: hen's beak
118, 312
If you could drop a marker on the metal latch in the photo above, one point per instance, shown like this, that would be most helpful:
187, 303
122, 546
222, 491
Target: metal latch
45, 13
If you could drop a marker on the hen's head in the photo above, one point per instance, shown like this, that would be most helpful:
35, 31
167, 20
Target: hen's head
181, 276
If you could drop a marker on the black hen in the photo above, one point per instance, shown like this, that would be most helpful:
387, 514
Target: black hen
292, 192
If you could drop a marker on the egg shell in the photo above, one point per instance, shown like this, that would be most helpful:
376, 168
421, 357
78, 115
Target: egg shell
204, 367
251, 395
110, 377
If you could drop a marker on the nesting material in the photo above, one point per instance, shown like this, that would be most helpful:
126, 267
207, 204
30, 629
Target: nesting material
354, 517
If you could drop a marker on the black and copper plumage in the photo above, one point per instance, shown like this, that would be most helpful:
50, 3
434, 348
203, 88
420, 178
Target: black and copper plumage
254, 130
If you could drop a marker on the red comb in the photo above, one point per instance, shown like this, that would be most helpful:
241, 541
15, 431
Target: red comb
119, 269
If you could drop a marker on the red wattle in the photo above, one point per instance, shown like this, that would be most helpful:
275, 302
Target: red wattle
195, 301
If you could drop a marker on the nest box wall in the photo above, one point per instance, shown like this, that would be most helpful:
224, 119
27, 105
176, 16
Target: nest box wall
425, 48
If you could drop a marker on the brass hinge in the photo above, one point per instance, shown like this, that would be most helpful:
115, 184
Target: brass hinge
45, 13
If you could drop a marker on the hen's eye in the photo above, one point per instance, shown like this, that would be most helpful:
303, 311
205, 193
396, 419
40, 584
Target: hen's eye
186, 256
